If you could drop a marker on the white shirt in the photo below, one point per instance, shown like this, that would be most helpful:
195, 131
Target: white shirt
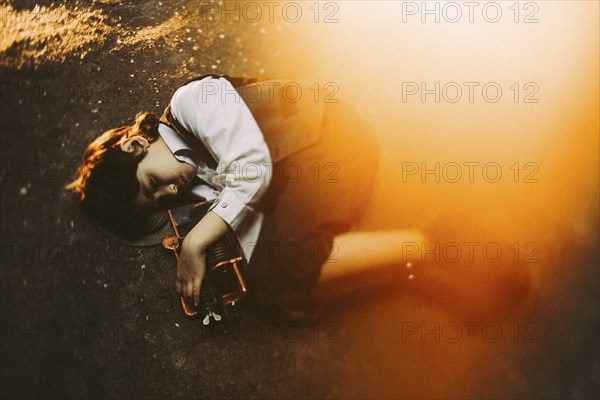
212, 110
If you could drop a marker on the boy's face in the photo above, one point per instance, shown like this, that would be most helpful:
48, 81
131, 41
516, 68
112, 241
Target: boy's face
161, 177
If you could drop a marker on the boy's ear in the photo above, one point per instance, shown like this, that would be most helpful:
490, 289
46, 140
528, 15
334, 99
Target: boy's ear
135, 145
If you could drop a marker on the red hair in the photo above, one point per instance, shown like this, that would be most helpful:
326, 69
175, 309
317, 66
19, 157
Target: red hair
145, 125
106, 179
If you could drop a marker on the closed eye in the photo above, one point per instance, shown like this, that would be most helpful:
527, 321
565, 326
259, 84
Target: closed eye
153, 184
147, 190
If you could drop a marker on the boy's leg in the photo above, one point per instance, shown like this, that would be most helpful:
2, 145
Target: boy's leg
315, 194
393, 259
363, 252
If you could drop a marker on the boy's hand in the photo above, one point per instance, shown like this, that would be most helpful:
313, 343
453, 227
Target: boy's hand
191, 265
191, 268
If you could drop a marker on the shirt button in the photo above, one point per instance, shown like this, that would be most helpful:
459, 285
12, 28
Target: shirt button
224, 204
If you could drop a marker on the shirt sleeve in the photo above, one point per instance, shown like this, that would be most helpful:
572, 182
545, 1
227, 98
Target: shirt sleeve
213, 111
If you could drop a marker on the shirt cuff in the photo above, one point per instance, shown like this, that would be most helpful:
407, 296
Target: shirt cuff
230, 208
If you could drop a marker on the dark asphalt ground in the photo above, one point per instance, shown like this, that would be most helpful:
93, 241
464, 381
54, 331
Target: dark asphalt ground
86, 317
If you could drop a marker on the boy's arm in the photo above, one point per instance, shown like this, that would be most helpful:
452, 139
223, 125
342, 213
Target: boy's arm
191, 265
213, 111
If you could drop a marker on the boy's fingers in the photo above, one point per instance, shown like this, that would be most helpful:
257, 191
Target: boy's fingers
189, 288
197, 291
184, 288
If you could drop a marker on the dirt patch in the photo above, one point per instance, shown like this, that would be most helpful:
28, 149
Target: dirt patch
49, 34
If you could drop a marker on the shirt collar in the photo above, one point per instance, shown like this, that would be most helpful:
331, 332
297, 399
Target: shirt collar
172, 139
179, 147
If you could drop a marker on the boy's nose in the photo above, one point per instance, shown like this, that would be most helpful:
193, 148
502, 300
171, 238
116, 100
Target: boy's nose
167, 190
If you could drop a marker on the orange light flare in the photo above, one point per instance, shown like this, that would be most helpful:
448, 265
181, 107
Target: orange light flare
515, 95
